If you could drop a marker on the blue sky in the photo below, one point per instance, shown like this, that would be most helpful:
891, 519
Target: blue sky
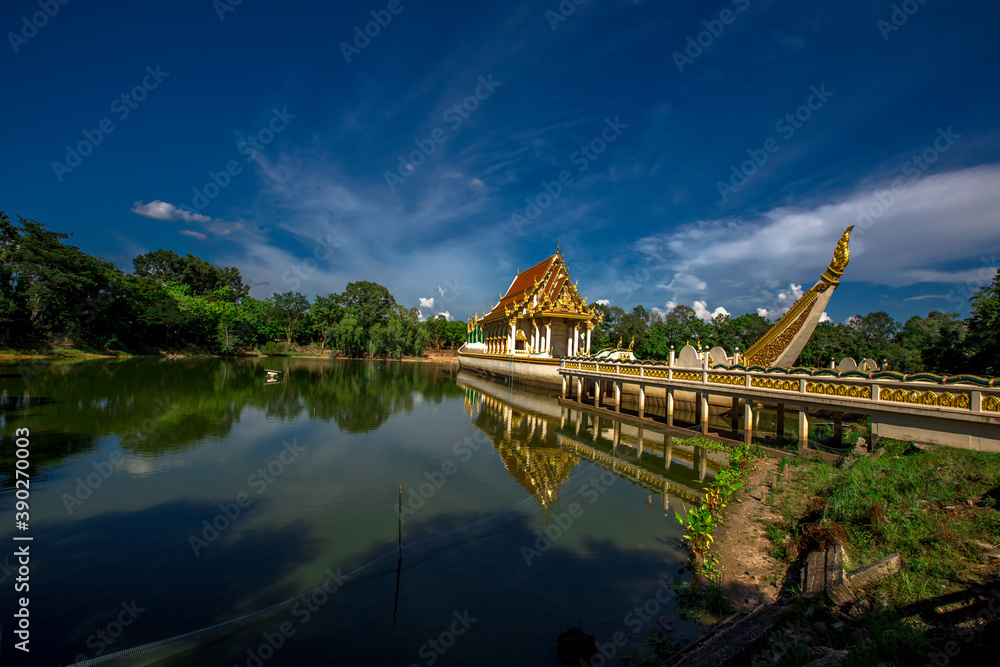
708, 154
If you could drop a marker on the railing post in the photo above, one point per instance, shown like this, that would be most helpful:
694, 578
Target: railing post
803, 428
747, 422
670, 406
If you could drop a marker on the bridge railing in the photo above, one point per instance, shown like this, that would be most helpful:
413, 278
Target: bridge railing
963, 393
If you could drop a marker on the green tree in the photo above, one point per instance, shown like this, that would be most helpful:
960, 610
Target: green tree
166, 266
324, 313
288, 310
369, 303
984, 329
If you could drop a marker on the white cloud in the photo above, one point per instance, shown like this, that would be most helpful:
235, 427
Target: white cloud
447, 315
161, 210
939, 223
476, 183
825, 318
685, 283
702, 312
762, 312
426, 303
193, 234
603, 302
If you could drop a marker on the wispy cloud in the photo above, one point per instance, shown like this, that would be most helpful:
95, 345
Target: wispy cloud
161, 210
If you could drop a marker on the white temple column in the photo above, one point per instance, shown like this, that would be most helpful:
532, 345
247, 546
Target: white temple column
513, 337
588, 341
576, 339
535, 342
548, 336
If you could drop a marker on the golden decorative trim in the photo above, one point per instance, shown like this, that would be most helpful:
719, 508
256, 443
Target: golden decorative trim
929, 398
719, 378
775, 383
991, 403
691, 377
588, 367
839, 389
572, 366
656, 373
774, 342
841, 255
629, 371
605, 369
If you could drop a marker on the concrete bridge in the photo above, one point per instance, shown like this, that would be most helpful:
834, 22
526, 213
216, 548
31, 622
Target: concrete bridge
962, 411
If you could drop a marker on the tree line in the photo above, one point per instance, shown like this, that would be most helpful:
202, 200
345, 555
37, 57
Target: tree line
52, 293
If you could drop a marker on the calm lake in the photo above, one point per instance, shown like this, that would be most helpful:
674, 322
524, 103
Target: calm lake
171, 496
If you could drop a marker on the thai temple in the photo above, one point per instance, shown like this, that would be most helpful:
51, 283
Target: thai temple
541, 316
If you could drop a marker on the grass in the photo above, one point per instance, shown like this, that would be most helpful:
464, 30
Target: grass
925, 504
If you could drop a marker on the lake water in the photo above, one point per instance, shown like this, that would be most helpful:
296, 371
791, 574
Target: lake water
171, 496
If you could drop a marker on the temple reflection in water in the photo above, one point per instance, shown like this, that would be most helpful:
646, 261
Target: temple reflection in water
541, 443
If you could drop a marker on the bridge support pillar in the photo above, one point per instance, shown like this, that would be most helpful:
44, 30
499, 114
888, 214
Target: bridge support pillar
579, 420
642, 401
748, 421
703, 405
803, 428
597, 393
668, 450
734, 417
618, 395
579, 389
564, 383
639, 440
779, 421
838, 429
616, 434
670, 406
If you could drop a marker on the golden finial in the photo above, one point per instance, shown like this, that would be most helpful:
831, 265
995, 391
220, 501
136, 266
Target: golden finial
632, 344
841, 255
619, 343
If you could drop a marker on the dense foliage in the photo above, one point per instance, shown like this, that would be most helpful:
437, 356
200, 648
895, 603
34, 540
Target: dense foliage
51, 293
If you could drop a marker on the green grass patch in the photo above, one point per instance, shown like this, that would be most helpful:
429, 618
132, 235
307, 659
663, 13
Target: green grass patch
925, 504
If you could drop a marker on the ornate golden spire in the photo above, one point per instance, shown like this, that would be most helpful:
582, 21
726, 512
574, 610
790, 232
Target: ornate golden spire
841, 255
